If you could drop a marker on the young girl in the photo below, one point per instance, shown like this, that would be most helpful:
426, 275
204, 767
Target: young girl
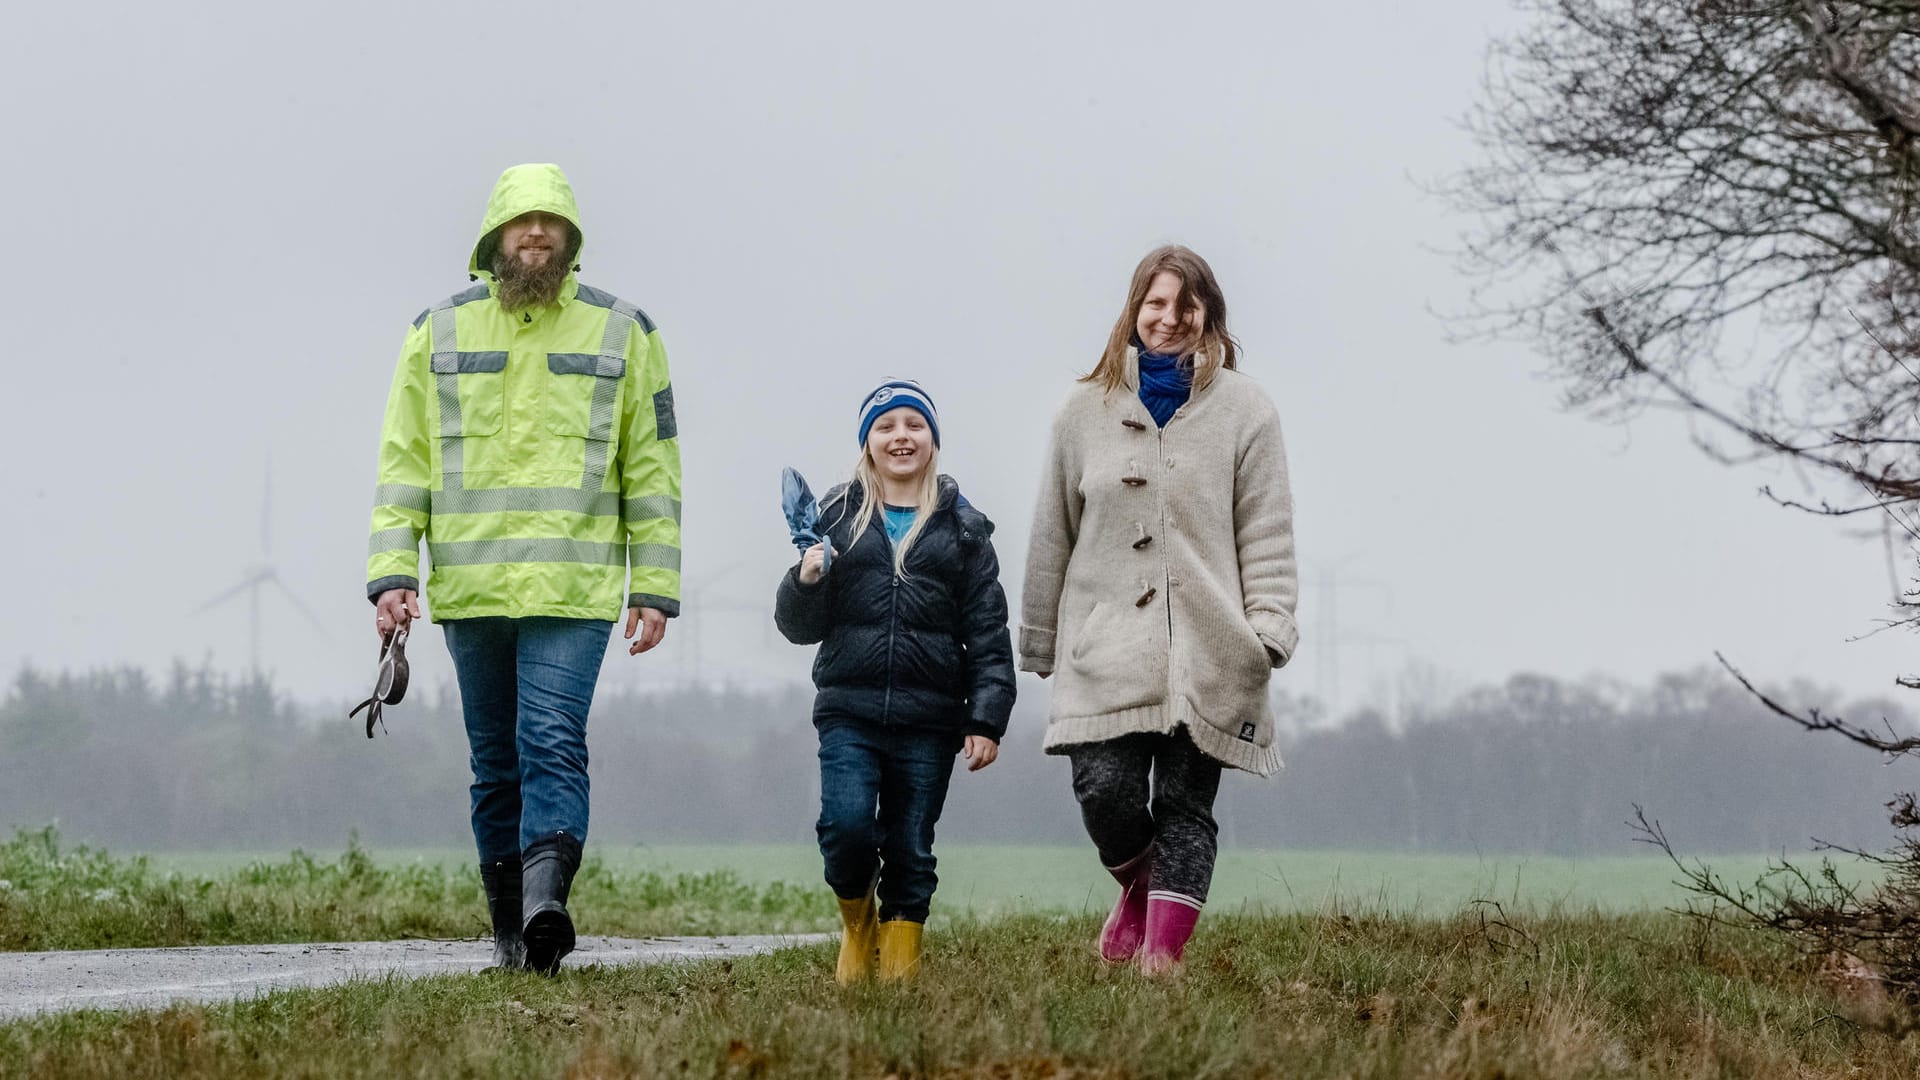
915, 665
1160, 587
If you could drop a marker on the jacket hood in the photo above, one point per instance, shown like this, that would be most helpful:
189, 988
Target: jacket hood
521, 190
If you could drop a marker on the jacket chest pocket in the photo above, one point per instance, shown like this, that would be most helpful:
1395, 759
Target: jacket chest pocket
472, 392
583, 394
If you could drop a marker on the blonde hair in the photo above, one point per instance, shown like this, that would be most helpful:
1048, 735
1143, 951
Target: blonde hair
1217, 348
868, 478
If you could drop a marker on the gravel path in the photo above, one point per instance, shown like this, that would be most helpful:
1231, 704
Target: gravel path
151, 978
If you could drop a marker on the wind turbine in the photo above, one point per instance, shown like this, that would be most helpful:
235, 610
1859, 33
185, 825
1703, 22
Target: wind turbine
262, 575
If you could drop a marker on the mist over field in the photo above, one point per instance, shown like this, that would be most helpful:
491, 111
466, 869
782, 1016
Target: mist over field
1531, 765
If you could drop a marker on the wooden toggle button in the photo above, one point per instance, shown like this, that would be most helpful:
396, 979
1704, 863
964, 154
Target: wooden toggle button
1134, 481
1134, 424
1142, 542
1146, 597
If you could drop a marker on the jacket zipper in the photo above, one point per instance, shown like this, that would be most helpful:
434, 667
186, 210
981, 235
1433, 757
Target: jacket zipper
893, 622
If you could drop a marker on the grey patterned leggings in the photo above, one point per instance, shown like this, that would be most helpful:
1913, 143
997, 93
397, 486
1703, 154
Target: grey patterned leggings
1123, 815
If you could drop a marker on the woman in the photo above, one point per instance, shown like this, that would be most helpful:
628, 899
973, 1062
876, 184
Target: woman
1160, 586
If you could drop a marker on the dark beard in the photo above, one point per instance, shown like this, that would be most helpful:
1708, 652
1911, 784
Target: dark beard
523, 286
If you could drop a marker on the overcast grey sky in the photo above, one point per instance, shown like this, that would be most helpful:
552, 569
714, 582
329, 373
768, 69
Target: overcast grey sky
223, 217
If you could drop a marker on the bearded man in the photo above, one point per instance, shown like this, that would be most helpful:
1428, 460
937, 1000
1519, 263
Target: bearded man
530, 438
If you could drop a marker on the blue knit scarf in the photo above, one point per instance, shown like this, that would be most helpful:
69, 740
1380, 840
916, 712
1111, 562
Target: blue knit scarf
1165, 385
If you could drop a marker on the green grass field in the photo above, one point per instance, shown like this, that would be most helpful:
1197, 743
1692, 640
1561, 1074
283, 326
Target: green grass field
1303, 996
987, 881
1309, 966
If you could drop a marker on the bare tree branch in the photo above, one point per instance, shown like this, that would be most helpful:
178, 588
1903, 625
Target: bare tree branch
1892, 744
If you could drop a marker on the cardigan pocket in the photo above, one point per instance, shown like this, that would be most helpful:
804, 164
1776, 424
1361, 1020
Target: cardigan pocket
1117, 661
1089, 629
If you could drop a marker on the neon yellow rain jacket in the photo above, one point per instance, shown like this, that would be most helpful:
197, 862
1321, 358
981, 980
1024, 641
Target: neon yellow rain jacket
536, 451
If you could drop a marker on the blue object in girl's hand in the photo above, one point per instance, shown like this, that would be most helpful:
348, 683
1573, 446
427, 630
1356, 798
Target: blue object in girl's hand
803, 515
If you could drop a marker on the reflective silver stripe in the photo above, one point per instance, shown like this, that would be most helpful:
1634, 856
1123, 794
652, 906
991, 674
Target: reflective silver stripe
613, 348
479, 552
655, 556
494, 500
447, 385
446, 382
468, 362
404, 496
443, 334
651, 508
586, 363
400, 539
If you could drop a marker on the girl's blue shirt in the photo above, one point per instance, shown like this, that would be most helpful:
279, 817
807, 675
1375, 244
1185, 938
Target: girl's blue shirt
1165, 385
899, 520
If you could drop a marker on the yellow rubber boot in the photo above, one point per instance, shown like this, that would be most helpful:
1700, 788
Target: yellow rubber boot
900, 943
858, 940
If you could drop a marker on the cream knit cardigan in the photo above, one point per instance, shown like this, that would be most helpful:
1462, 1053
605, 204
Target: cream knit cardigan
1160, 581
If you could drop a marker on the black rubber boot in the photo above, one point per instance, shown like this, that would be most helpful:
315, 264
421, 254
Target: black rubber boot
502, 882
547, 877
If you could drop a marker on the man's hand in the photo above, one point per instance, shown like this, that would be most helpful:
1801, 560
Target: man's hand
812, 563
651, 633
980, 752
395, 607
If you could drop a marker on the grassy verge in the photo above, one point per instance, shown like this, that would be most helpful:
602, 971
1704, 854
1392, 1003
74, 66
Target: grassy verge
53, 897
1558, 996
989, 880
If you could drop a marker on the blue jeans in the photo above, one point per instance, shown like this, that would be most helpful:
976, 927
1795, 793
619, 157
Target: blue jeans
525, 687
881, 790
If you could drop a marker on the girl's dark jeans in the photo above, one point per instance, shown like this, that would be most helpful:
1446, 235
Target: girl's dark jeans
881, 790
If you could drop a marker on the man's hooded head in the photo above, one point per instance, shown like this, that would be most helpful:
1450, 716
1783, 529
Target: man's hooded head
530, 240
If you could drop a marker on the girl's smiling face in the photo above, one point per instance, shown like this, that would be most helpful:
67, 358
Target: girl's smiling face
900, 443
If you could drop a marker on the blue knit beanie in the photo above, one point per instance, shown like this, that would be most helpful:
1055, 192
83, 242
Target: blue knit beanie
898, 394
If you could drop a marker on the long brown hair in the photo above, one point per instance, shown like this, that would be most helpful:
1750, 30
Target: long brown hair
1217, 348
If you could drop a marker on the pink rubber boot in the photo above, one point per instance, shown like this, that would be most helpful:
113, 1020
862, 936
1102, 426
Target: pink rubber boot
1170, 920
1127, 924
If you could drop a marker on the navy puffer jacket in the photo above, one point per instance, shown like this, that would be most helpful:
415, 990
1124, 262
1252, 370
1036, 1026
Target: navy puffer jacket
927, 650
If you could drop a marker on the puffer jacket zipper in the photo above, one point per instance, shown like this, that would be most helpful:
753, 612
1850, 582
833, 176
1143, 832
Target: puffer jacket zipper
893, 616
893, 627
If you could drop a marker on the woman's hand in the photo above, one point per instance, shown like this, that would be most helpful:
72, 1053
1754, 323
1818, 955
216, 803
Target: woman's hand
980, 752
811, 563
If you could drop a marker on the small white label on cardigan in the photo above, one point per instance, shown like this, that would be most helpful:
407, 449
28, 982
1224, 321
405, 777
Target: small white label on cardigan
1246, 732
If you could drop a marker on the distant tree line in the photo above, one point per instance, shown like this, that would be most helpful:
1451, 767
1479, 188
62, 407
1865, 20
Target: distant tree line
194, 759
